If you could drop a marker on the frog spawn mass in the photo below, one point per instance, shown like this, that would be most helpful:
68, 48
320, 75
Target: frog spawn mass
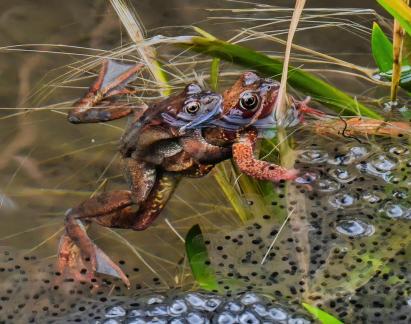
345, 245
194, 308
33, 292
357, 249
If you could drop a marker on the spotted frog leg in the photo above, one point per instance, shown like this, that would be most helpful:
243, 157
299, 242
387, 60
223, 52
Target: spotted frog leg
150, 191
244, 158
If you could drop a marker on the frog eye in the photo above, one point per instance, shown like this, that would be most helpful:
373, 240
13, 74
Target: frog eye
249, 100
192, 107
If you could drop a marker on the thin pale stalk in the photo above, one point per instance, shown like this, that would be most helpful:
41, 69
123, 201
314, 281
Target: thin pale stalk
135, 30
280, 110
398, 37
231, 194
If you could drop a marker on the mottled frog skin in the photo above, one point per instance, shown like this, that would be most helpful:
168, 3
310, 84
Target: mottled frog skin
151, 156
184, 135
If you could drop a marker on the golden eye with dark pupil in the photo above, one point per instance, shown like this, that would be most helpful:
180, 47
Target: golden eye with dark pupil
249, 101
192, 107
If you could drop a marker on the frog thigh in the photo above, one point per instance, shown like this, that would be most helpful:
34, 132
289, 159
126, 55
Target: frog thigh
140, 177
160, 194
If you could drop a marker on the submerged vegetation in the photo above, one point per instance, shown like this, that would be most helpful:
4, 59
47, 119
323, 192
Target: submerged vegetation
336, 244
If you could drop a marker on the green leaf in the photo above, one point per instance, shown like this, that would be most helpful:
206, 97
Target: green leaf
322, 316
161, 77
305, 82
198, 258
400, 11
381, 49
215, 68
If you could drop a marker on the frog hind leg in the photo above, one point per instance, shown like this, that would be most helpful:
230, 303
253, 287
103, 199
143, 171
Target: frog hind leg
76, 249
78, 252
144, 216
261, 170
160, 194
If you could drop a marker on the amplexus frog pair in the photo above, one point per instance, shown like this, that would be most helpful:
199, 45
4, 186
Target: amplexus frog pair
185, 134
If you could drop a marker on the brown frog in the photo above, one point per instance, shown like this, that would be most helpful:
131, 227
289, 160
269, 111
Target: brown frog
150, 152
180, 136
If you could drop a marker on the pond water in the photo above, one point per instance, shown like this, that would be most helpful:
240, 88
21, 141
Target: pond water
344, 246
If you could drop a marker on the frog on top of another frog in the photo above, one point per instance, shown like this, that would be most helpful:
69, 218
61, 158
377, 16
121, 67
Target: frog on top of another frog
185, 134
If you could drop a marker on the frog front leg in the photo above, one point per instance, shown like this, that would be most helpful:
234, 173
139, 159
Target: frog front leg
100, 104
243, 156
201, 151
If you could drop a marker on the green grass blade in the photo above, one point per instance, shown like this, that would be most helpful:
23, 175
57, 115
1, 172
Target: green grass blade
305, 82
381, 49
161, 77
215, 69
400, 11
231, 194
198, 259
322, 316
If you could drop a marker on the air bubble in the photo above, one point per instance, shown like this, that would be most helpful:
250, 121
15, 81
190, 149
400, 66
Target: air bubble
327, 185
342, 200
393, 210
226, 318
111, 321
248, 318
233, 307
157, 310
211, 304
277, 314
195, 300
355, 228
195, 318
306, 178
249, 298
155, 300
298, 321
313, 156
399, 150
384, 163
136, 313
372, 197
342, 175
177, 307
136, 321
116, 311
259, 309
156, 320
358, 152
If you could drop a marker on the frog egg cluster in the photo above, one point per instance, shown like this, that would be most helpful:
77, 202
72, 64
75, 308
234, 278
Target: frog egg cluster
345, 245
193, 308
32, 292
